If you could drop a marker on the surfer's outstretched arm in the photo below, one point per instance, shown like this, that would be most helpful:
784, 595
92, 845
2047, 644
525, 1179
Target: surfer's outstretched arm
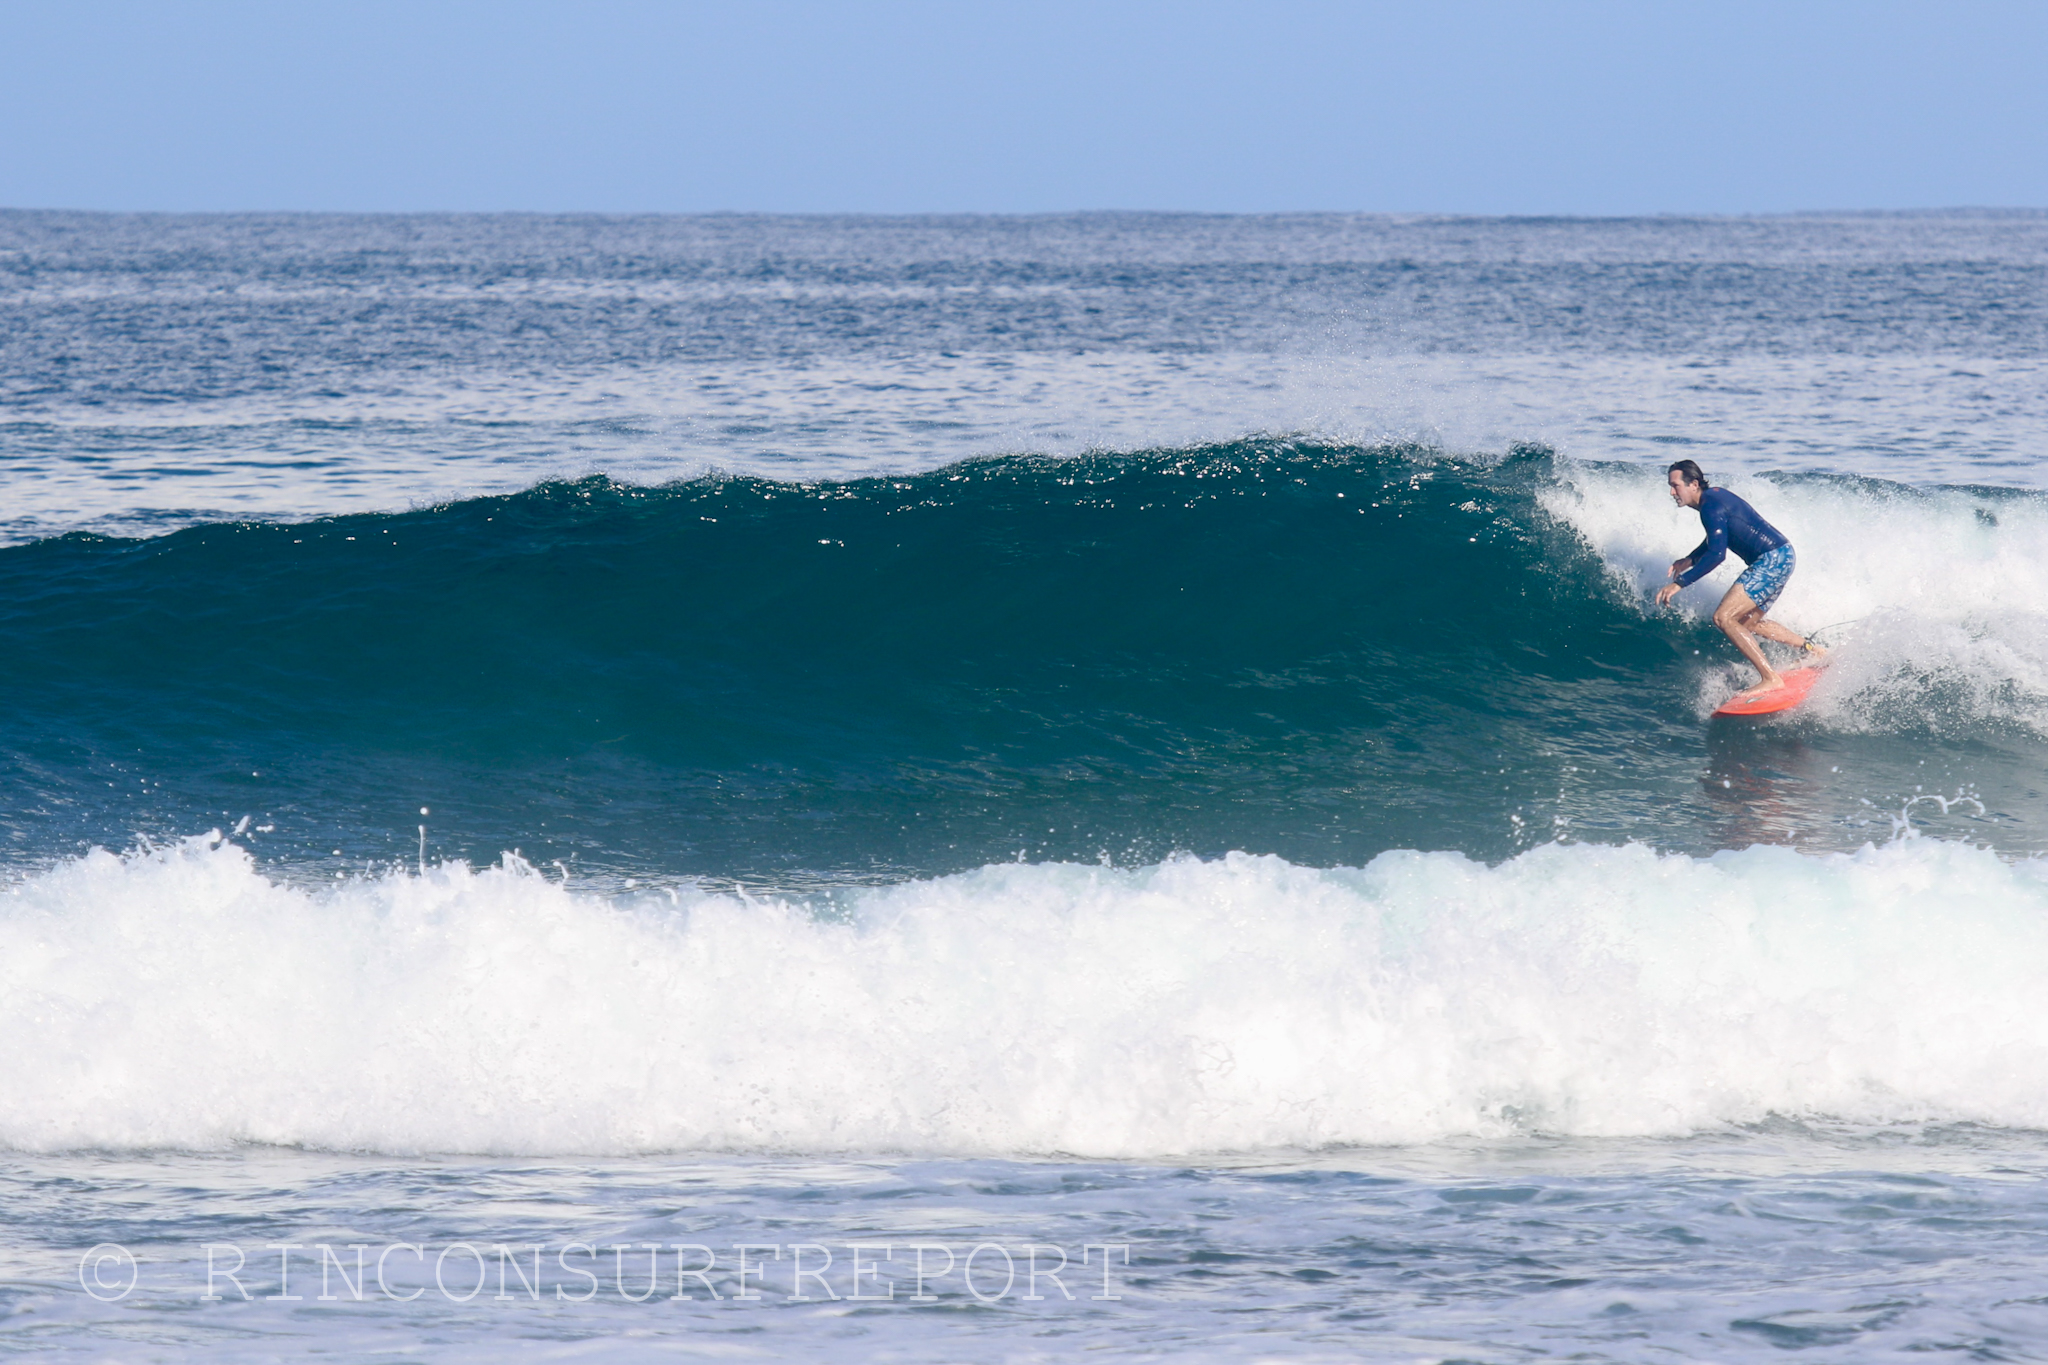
1708, 555
1670, 590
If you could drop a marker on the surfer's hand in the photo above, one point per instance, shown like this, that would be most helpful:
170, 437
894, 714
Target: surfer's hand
1666, 593
1678, 566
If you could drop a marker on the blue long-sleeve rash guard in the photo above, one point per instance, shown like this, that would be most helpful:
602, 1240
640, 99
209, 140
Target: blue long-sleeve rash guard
1732, 524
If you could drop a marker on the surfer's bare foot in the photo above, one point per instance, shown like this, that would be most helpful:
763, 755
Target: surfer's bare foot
1770, 684
1814, 651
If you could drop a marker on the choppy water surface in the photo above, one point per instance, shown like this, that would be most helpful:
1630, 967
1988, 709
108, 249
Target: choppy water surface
1129, 732
163, 370
1904, 1244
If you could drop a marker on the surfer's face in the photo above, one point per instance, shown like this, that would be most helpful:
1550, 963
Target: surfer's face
1683, 493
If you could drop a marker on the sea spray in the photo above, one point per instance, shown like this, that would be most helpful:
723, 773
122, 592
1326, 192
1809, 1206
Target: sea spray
1936, 593
737, 550
179, 998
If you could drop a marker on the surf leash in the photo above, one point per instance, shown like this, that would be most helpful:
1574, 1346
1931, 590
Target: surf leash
1813, 635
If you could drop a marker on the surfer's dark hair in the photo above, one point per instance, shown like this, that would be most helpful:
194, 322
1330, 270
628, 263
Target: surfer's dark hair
1693, 473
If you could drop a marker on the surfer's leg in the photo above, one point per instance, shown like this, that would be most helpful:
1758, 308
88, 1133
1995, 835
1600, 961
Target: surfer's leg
1729, 616
1759, 624
1760, 585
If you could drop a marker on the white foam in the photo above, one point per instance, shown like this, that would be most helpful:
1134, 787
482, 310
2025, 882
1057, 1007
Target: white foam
1945, 592
180, 999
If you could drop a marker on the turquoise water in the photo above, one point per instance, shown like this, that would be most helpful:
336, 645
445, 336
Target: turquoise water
1110, 732
1316, 651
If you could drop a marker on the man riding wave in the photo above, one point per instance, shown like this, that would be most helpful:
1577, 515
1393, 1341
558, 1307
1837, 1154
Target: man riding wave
1732, 524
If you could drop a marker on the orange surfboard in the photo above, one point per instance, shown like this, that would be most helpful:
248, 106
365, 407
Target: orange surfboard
1798, 682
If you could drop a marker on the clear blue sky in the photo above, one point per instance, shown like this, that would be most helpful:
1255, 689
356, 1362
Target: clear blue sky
628, 105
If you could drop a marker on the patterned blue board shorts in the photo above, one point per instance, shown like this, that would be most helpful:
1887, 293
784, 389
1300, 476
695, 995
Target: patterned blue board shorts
1766, 578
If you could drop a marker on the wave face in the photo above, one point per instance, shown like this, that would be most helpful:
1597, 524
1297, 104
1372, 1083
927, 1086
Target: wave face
1317, 652
1241, 1004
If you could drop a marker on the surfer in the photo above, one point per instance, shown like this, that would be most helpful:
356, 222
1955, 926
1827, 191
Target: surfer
1732, 524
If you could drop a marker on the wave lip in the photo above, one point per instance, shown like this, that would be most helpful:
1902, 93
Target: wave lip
1319, 652
178, 999
961, 659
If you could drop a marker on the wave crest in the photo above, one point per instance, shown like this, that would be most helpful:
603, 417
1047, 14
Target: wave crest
179, 999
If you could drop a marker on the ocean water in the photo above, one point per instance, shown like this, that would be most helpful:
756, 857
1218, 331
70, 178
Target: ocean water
988, 789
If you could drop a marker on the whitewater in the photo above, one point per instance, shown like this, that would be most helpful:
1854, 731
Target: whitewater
542, 754
1238, 1006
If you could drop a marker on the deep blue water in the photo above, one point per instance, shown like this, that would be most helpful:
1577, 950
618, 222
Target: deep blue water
1136, 730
